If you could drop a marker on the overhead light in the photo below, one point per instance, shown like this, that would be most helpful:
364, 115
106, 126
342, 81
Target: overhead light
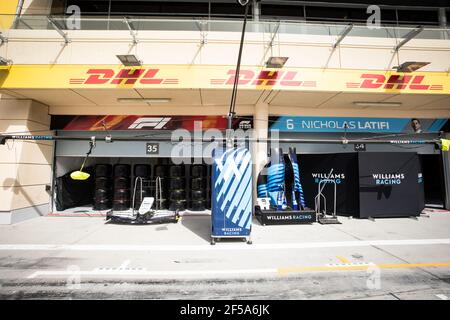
410, 66
4, 62
376, 104
129, 60
143, 100
276, 62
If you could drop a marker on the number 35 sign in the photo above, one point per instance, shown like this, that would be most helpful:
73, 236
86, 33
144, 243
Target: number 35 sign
152, 148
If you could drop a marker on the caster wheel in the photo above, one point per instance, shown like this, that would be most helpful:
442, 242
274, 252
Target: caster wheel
213, 242
249, 242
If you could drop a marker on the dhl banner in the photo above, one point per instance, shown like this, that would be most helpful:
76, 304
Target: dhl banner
221, 77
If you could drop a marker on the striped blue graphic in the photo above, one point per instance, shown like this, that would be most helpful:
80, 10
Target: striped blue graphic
437, 125
262, 190
275, 181
232, 192
297, 184
294, 201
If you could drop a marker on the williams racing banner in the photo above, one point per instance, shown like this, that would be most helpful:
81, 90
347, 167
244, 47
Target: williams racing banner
221, 77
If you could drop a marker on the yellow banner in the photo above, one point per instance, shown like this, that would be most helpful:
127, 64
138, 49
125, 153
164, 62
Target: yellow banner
221, 77
7, 12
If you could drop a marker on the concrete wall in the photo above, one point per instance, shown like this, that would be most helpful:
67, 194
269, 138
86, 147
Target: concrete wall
25, 166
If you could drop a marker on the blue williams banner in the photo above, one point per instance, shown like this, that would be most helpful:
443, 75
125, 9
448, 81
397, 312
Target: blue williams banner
353, 124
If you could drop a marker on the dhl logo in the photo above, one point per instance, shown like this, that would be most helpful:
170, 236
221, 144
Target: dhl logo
398, 82
253, 78
264, 78
124, 76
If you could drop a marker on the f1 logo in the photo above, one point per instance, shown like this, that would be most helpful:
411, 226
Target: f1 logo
155, 123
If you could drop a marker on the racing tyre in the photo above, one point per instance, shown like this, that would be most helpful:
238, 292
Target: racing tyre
102, 205
178, 194
103, 183
176, 183
160, 171
101, 193
142, 170
121, 183
197, 195
198, 184
121, 205
122, 170
103, 170
198, 205
176, 171
179, 205
198, 171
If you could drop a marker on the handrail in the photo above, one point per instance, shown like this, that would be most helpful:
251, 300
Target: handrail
40, 22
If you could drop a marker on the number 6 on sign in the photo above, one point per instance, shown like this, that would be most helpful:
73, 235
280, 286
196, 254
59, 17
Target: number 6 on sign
290, 124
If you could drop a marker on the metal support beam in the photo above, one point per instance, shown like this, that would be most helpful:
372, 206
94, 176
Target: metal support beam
3, 39
5, 62
410, 35
270, 45
109, 138
342, 35
58, 29
231, 112
132, 30
203, 33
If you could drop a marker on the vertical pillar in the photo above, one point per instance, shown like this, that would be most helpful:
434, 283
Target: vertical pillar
256, 10
443, 22
446, 166
442, 18
25, 166
259, 152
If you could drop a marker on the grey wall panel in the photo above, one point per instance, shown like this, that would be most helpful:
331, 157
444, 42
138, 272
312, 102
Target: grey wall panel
125, 148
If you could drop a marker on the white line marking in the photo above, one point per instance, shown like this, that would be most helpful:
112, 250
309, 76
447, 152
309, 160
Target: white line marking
124, 265
220, 247
358, 264
442, 296
146, 273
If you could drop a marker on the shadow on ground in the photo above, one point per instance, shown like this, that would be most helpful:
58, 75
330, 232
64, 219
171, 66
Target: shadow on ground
200, 225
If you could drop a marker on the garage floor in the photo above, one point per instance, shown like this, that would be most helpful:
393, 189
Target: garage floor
85, 257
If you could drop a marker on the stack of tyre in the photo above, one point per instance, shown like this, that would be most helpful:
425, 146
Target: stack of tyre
122, 184
198, 188
142, 172
177, 188
103, 187
160, 171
